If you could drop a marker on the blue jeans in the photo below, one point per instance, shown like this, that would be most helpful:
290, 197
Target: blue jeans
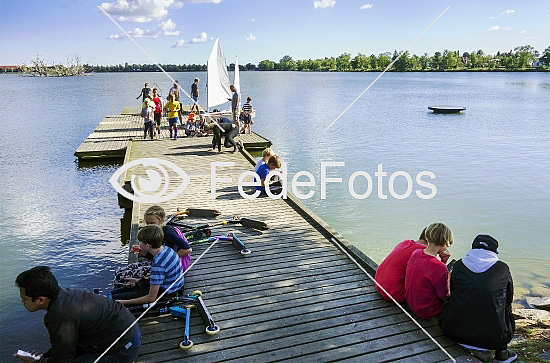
124, 355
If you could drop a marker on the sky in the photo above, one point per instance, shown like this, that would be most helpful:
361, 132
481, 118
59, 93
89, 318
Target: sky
182, 31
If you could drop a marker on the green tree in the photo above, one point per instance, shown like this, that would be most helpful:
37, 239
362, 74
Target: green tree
450, 59
328, 64
415, 64
545, 58
524, 54
425, 61
266, 65
373, 62
360, 62
437, 61
384, 60
403, 63
343, 62
287, 64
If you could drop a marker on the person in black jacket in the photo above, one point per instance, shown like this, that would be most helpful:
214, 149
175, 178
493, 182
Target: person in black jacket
221, 128
81, 324
479, 312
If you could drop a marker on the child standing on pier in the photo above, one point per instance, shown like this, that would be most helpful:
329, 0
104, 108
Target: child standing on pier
148, 117
158, 110
173, 107
246, 116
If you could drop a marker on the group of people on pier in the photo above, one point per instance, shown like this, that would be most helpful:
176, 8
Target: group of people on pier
471, 298
153, 107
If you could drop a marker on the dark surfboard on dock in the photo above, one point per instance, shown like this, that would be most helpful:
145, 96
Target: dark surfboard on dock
446, 109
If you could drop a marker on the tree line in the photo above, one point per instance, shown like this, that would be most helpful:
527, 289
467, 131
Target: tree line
523, 57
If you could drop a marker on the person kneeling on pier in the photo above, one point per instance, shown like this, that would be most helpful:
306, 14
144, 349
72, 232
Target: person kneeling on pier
227, 130
81, 324
273, 163
479, 311
165, 271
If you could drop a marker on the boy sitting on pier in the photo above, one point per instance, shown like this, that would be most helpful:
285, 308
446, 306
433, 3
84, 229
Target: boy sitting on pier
273, 163
390, 274
426, 278
173, 238
165, 271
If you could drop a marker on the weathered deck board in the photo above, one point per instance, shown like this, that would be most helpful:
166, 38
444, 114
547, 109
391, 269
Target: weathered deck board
108, 140
297, 297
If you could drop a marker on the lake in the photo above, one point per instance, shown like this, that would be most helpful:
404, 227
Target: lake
491, 166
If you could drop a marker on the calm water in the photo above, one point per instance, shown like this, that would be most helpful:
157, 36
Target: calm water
491, 165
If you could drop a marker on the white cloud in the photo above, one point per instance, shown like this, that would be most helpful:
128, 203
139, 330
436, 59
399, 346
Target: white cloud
497, 28
366, 6
523, 31
143, 11
493, 17
253, 20
508, 12
250, 38
178, 44
321, 4
166, 28
138, 10
201, 39
528, 38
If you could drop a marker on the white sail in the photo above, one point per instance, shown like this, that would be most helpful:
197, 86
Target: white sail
237, 78
218, 80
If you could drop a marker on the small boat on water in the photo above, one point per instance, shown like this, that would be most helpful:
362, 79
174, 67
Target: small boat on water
446, 109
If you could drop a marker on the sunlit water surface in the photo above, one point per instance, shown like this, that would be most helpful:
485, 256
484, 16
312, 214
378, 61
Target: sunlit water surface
491, 165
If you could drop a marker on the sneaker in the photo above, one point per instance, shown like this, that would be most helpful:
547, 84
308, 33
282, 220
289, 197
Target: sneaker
505, 356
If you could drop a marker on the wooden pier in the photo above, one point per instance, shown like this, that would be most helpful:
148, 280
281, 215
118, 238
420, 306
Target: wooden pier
110, 138
296, 298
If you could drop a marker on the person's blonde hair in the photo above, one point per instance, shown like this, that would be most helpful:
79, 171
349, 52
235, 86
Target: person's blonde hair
151, 235
439, 234
267, 152
155, 210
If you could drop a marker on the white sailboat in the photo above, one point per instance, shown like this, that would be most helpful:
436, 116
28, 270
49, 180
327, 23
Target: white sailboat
217, 84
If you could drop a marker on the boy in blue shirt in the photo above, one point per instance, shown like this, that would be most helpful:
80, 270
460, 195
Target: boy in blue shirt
273, 163
165, 270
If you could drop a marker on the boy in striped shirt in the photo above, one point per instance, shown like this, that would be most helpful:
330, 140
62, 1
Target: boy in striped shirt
166, 269
246, 115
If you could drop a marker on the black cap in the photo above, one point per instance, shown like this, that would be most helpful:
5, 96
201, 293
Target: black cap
485, 242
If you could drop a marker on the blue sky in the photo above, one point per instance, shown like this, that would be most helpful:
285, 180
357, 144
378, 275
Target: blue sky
181, 31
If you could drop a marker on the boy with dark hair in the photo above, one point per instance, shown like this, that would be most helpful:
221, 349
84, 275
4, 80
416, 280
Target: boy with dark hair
479, 311
81, 324
273, 163
426, 277
165, 271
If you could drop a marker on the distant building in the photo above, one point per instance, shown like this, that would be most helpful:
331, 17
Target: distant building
6, 69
